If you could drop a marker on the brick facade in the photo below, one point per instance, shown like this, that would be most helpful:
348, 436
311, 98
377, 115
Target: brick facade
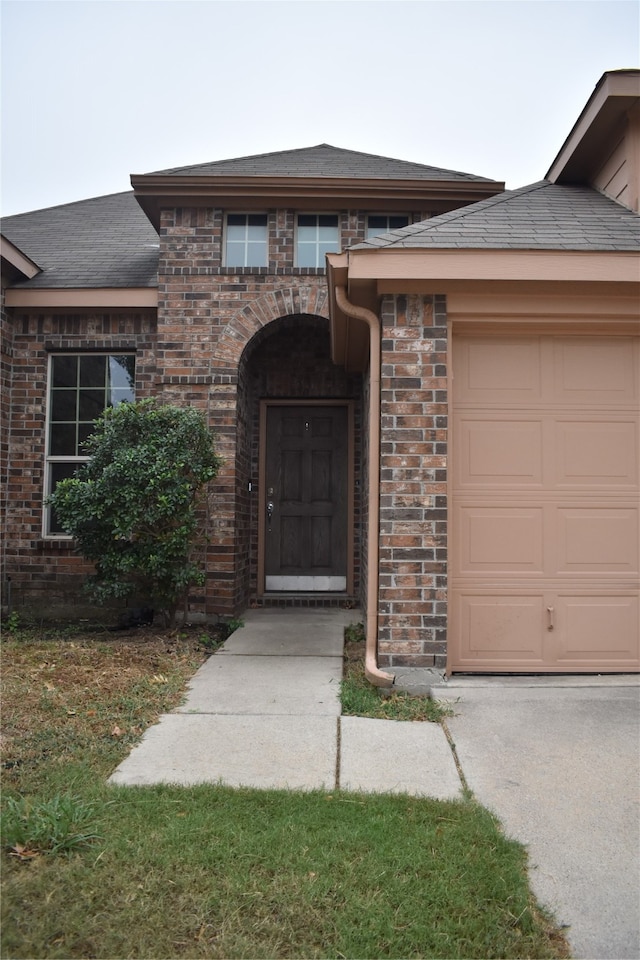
413, 482
223, 340
226, 340
45, 574
6, 364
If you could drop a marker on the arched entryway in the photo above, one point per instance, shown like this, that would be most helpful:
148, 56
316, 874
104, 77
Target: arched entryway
298, 449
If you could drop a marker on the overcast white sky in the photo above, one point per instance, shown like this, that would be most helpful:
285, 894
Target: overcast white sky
94, 90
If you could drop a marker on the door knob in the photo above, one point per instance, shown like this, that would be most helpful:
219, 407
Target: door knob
269, 511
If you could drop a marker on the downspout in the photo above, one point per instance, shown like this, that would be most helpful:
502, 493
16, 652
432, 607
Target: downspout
376, 676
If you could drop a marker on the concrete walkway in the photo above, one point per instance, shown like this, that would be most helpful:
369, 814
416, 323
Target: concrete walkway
264, 711
556, 758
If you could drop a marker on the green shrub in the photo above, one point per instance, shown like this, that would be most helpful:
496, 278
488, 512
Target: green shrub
133, 506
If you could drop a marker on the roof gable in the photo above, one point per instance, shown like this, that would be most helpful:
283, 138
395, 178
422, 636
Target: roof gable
603, 120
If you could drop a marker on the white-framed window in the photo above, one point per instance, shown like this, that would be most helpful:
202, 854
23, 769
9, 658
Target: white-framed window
81, 387
377, 224
246, 240
317, 234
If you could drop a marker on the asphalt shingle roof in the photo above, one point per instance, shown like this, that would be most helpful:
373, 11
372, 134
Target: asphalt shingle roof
109, 242
322, 160
541, 216
102, 242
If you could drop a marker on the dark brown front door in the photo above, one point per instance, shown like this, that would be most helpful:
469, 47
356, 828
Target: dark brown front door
306, 498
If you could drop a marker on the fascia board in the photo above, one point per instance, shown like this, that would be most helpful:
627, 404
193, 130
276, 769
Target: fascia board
17, 259
90, 297
457, 264
152, 192
204, 186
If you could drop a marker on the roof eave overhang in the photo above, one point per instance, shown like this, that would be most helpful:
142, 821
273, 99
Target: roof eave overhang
154, 191
616, 95
368, 275
83, 298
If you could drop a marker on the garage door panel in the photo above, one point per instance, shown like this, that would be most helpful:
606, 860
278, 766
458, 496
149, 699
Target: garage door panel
597, 453
601, 541
499, 452
507, 540
498, 627
499, 371
545, 518
590, 624
593, 370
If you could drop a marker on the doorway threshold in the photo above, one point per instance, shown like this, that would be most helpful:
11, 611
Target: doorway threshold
302, 599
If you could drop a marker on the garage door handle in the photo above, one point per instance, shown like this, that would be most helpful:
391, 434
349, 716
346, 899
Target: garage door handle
550, 616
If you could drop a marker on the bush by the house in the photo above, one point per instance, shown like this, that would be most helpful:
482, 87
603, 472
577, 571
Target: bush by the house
133, 507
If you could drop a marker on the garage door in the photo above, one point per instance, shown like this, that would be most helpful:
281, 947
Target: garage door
544, 544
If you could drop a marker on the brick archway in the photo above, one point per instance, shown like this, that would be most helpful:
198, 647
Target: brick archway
264, 310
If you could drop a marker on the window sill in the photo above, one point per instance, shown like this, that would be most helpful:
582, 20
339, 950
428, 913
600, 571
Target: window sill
55, 544
272, 271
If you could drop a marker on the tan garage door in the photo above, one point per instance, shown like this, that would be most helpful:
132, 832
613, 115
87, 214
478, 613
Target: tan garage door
544, 544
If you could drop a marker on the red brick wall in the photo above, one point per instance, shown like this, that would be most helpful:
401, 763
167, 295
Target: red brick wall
413, 490
46, 573
217, 346
6, 363
223, 340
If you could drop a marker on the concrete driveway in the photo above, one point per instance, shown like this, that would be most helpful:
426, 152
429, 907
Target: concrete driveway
559, 765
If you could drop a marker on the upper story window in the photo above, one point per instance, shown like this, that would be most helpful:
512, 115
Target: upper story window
377, 224
318, 234
246, 240
81, 387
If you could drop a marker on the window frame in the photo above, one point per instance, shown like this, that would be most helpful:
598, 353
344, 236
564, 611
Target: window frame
51, 459
317, 214
387, 217
246, 214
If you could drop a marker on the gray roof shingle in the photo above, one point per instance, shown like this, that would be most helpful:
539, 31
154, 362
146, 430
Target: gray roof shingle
322, 160
102, 242
541, 216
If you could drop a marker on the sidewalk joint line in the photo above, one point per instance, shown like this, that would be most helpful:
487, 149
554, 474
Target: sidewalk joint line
456, 759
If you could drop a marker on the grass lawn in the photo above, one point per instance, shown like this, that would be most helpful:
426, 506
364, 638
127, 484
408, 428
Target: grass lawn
91, 870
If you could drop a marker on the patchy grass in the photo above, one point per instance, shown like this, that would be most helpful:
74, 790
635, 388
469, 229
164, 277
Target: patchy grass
74, 706
213, 872
361, 699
